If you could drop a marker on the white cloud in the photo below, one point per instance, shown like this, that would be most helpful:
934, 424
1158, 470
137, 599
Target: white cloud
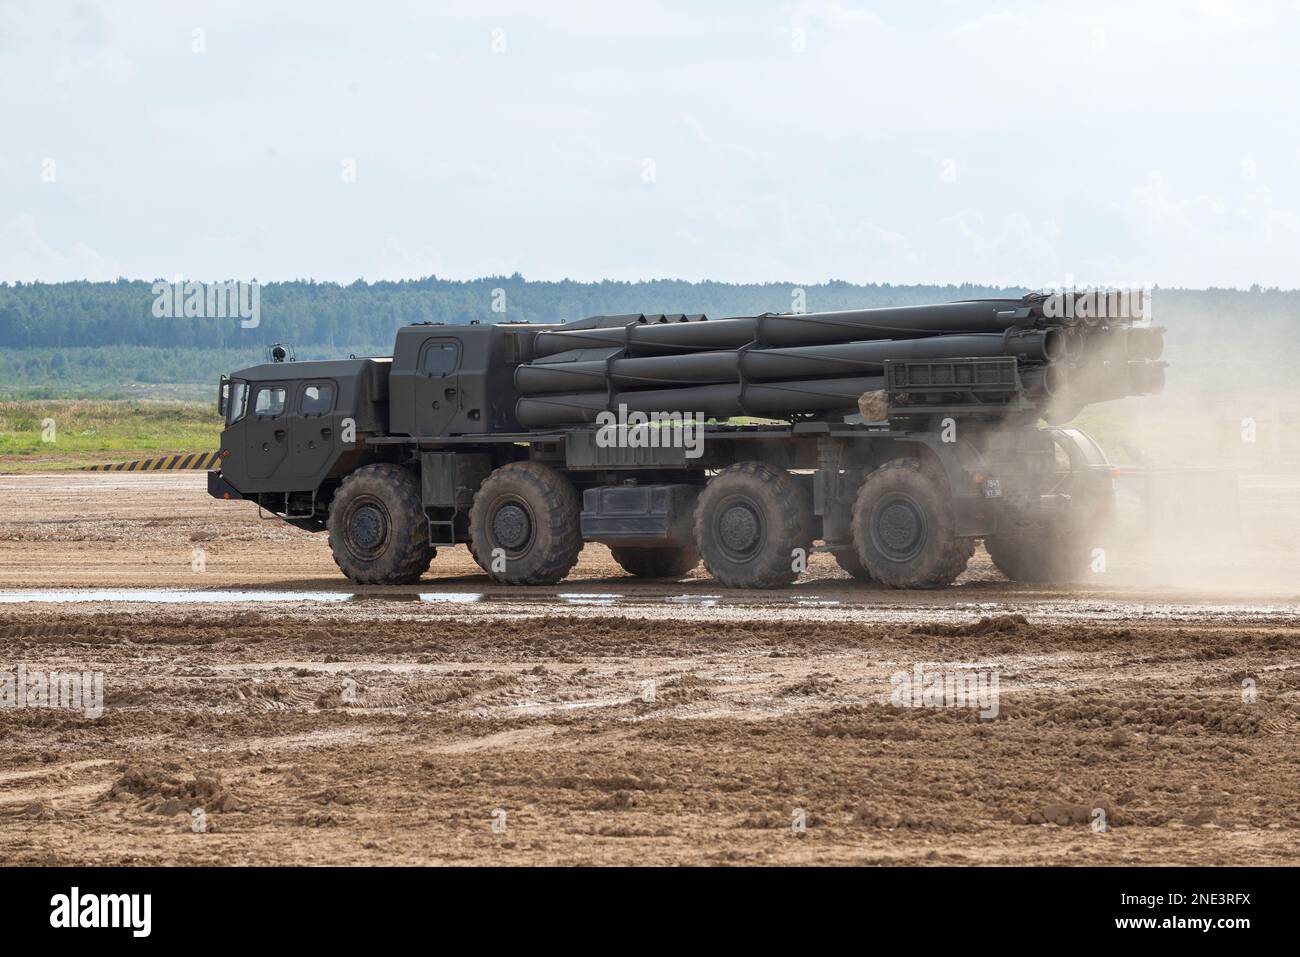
27, 256
395, 259
1215, 234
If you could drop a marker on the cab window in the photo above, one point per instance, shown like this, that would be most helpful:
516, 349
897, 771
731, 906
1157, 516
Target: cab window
237, 403
317, 398
440, 357
269, 402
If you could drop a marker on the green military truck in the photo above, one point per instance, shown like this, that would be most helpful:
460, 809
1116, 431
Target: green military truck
395, 457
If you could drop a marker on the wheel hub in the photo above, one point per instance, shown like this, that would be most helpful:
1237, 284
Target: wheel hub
511, 526
739, 529
368, 527
900, 528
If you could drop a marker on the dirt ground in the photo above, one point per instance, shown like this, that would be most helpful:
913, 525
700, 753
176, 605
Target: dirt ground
607, 720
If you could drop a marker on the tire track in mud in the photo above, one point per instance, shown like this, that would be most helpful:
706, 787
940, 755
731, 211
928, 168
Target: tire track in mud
247, 713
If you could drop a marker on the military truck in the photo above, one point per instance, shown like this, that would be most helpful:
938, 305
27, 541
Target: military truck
396, 457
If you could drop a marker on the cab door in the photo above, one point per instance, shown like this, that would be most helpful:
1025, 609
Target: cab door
437, 388
313, 430
266, 428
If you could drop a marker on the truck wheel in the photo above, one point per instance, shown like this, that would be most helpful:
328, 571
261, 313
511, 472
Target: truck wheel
532, 514
377, 529
903, 527
847, 559
673, 562
749, 520
474, 555
1044, 555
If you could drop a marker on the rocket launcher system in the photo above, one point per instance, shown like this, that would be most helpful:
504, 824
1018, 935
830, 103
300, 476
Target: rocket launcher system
1064, 352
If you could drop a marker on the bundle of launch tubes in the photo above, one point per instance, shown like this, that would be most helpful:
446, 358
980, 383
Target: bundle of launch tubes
1070, 350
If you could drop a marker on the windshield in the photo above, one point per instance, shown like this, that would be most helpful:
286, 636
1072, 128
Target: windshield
238, 402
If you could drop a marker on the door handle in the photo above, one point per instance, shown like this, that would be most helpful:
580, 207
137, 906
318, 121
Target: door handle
279, 435
326, 433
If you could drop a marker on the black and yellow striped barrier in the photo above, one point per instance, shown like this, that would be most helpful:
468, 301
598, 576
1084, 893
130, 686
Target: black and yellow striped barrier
185, 460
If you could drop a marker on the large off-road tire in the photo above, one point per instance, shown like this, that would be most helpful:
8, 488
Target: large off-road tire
749, 520
378, 532
672, 562
847, 559
904, 527
1047, 553
474, 555
532, 513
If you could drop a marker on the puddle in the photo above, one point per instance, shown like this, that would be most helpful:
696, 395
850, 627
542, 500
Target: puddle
163, 596
585, 598
457, 598
168, 596
703, 601
428, 597
728, 607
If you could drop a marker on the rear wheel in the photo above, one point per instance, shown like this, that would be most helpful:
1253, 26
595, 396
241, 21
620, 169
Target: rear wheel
525, 525
1049, 552
904, 527
847, 559
749, 521
378, 532
672, 562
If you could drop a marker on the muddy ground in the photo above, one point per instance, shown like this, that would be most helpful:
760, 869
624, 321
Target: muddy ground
611, 721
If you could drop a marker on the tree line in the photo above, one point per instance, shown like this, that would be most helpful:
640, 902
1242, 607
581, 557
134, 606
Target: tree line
46, 323
332, 319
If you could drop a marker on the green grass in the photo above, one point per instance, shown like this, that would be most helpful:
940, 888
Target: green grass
90, 431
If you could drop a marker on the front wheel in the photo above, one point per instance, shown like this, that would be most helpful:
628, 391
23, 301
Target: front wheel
904, 527
378, 532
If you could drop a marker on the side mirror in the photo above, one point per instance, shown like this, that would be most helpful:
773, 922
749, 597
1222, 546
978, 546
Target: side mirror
223, 397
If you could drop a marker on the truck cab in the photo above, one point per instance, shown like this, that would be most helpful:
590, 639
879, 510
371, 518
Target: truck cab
291, 430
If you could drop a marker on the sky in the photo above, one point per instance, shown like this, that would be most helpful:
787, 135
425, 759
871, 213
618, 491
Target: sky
1033, 144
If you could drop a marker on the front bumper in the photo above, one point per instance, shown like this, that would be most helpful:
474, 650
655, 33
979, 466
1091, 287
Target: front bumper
218, 487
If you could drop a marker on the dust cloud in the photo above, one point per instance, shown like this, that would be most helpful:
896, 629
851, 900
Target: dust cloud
1208, 487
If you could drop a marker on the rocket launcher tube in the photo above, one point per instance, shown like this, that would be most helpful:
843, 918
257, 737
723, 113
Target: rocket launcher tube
801, 329
585, 369
717, 401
